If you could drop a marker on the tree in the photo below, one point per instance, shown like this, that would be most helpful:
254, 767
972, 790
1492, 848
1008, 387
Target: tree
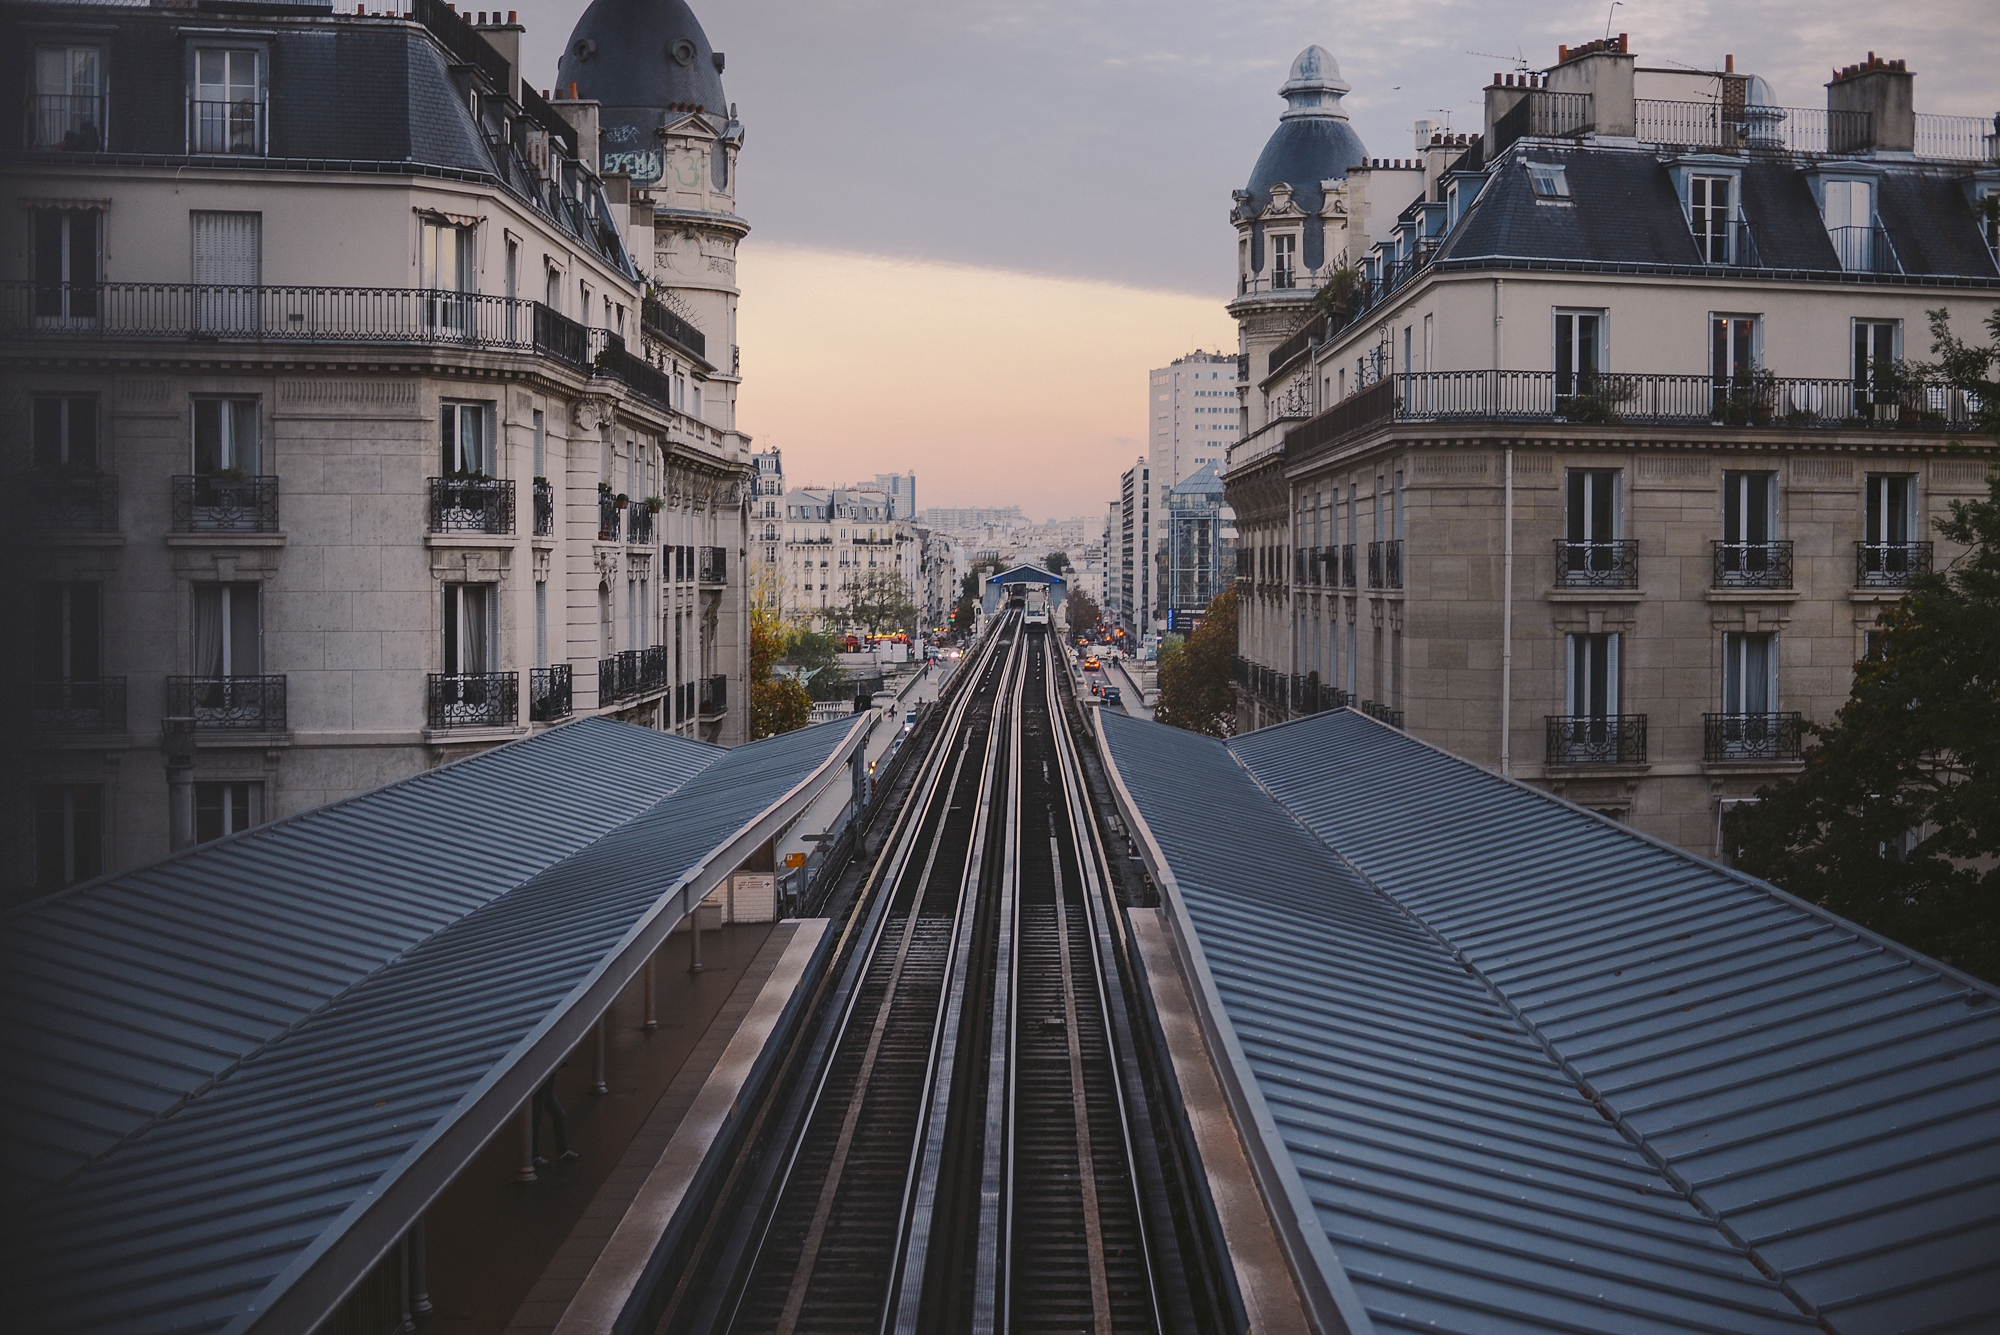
1056, 562
1082, 610
964, 615
777, 703
880, 601
815, 655
1894, 822
1197, 690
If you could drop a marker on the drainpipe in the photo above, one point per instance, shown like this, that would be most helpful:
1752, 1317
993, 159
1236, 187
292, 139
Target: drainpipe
1507, 630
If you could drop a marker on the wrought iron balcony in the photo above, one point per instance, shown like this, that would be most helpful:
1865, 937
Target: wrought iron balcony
1587, 739
608, 522
1598, 565
1777, 737
66, 122
607, 681
1382, 713
714, 696
246, 704
656, 319
1385, 564
77, 705
1348, 573
1889, 565
714, 565
226, 126
225, 504
1753, 565
638, 523
56, 502
549, 693
472, 700
472, 505
545, 508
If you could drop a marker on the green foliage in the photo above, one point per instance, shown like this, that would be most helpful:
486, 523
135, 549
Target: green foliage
1341, 294
964, 615
1056, 562
1895, 821
1196, 689
1082, 611
816, 655
879, 601
777, 704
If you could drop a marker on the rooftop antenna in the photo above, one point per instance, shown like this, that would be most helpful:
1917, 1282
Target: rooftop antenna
1519, 59
1446, 113
1616, 5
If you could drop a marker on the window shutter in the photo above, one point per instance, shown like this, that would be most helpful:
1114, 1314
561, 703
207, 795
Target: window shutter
228, 249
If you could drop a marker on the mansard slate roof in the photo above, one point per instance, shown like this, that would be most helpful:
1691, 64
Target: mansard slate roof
1521, 1068
1301, 154
231, 1076
1623, 209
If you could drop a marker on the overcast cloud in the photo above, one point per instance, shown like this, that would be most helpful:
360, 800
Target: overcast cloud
1101, 138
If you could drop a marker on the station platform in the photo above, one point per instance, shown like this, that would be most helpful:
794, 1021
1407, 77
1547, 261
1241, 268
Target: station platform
531, 1257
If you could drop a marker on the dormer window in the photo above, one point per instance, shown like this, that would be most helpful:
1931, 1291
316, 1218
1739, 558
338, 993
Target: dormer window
1550, 180
226, 114
1848, 208
68, 108
1284, 251
1709, 214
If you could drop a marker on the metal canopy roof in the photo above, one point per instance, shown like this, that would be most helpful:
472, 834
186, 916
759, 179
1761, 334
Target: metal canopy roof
316, 1023
1517, 1067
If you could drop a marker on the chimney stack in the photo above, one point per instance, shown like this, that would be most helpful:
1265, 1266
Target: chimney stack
1884, 90
1603, 69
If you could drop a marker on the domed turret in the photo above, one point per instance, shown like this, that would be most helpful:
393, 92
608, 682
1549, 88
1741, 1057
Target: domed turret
1313, 141
643, 61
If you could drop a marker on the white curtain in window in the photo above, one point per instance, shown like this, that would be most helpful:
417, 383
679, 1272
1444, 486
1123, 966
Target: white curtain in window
1749, 673
225, 436
207, 658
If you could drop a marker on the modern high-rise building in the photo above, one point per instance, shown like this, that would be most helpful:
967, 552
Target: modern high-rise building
349, 442
1193, 416
902, 492
1197, 550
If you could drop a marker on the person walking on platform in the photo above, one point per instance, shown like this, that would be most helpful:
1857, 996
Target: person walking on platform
545, 1103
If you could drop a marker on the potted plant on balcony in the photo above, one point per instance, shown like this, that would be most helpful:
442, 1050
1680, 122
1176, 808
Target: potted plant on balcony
1599, 400
1763, 397
621, 500
654, 505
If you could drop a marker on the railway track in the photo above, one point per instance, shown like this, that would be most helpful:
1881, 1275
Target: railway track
951, 1149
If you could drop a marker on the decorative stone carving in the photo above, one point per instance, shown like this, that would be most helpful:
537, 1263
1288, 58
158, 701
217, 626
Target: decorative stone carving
594, 410
606, 561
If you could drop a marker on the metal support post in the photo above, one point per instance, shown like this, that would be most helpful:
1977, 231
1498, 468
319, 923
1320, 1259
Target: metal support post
420, 1296
597, 1083
527, 1173
694, 939
652, 997
408, 1325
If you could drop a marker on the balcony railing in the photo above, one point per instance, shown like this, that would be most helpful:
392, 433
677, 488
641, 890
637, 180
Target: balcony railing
1585, 739
1775, 737
168, 311
1864, 249
225, 505
1889, 565
714, 565
1753, 565
549, 693
714, 696
545, 508
77, 704
1598, 565
247, 704
225, 126
1385, 564
1382, 713
1348, 574
607, 681
609, 355
608, 521
631, 673
1772, 129
1681, 400
662, 323
66, 122
66, 502
472, 700
638, 524
472, 505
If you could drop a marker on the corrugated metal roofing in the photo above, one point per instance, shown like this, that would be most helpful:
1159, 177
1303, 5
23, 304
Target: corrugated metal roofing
1490, 967
507, 880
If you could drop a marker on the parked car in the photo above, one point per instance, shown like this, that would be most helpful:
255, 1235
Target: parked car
1113, 696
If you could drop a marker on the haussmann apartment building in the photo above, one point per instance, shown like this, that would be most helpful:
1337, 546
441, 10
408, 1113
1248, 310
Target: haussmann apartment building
354, 419
1606, 470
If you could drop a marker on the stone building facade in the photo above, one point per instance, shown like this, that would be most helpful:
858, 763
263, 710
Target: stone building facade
348, 434
1604, 474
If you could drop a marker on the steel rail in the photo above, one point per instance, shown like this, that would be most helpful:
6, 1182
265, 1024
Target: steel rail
928, 1156
886, 881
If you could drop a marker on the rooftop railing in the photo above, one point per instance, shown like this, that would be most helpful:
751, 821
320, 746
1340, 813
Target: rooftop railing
1959, 138
1772, 129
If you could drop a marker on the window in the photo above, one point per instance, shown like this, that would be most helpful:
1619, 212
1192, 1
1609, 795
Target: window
65, 434
228, 639
226, 114
552, 290
463, 446
1749, 507
541, 444
1849, 211
66, 633
1579, 351
1283, 252
1875, 364
68, 111
225, 438
1549, 180
1749, 673
542, 623
1892, 505
69, 834
467, 640
1593, 676
1708, 216
66, 264
224, 808
228, 267
1732, 351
